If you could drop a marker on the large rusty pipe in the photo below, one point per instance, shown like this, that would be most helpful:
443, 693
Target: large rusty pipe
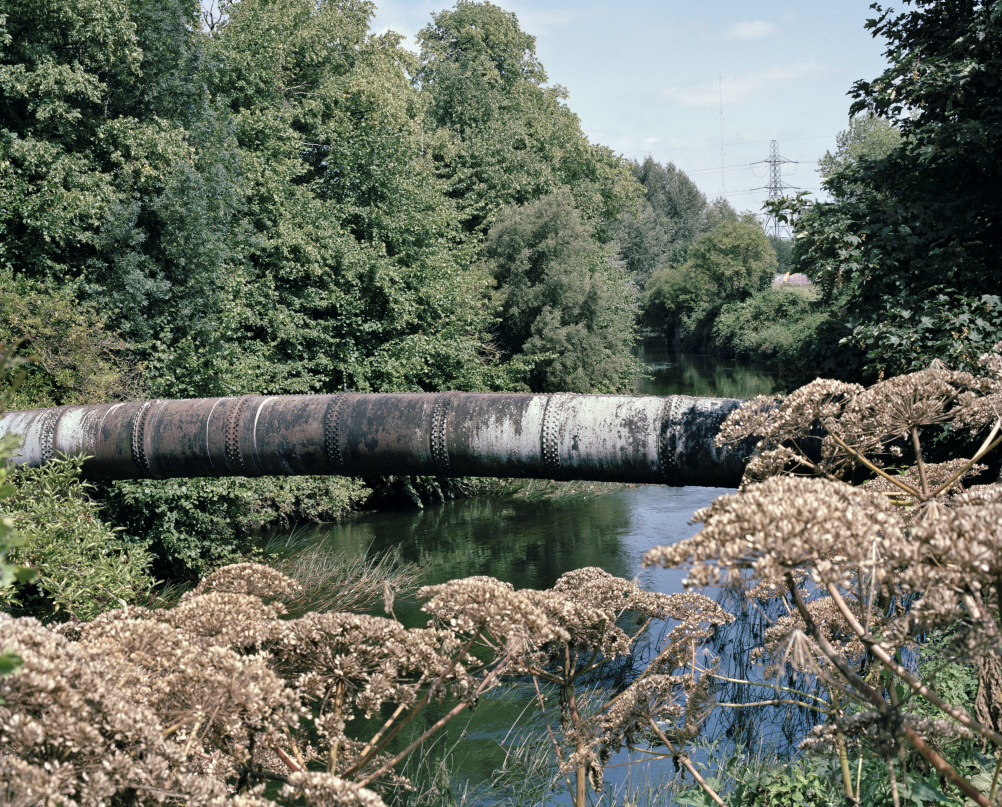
616, 438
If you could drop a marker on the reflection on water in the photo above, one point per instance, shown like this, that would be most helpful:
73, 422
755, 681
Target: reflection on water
526, 543
675, 373
531, 543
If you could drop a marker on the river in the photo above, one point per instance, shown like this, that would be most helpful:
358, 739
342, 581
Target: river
531, 543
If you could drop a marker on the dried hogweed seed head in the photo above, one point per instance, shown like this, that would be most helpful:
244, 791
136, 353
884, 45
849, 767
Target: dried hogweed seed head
781, 524
254, 579
483, 603
327, 790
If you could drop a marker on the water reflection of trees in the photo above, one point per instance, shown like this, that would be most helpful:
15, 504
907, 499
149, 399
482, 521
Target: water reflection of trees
528, 544
677, 373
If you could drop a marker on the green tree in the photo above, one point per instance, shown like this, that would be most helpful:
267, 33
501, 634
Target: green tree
567, 304
908, 247
866, 138
68, 356
500, 135
670, 216
783, 247
353, 275
116, 177
727, 264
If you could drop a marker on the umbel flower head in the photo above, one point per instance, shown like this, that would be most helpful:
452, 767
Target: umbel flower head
829, 428
867, 573
154, 707
782, 524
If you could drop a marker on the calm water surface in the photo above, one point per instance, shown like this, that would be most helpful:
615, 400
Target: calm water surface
531, 543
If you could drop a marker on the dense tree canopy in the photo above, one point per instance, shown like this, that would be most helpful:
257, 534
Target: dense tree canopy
909, 246
866, 138
503, 136
728, 264
672, 213
568, 305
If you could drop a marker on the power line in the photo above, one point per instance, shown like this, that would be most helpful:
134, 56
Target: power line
736, 143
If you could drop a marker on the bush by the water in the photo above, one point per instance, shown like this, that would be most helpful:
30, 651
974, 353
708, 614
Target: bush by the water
193, 526
775, 323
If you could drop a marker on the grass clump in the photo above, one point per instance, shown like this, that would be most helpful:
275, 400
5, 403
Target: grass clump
330, 580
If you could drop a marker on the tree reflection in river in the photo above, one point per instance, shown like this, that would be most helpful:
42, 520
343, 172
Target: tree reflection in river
675, 373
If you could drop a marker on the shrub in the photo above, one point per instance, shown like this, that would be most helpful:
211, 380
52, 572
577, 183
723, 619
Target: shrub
83, 565
774, 323
70, 356
194, 526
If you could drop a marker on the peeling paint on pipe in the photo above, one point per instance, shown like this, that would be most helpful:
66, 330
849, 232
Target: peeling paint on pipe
615, 438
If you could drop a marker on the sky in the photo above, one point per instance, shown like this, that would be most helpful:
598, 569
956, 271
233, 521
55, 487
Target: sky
650, 78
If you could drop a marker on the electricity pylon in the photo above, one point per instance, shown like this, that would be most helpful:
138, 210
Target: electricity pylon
775, 188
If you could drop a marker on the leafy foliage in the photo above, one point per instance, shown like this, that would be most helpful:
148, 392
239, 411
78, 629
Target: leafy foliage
867, 138
194, 526
728, 264
910, 238
82, 566
672, 214
503, 137
773, 324
69, 355
567, 305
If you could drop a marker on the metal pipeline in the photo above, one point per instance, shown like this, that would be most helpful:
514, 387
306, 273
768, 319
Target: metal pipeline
614, 438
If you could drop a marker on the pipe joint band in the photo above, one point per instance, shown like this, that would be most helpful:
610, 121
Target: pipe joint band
439, 421
668, 440
139, 455
332, 433
550, 439
232, 450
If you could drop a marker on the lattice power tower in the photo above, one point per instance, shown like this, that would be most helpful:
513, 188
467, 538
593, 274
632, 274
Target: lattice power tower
775, 188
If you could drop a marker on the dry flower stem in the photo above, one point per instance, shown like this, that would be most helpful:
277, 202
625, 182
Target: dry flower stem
549, 729
991, 436
868, 692
295, 748
970, 463
958, 714
684, 759
362, 759
874, 697
338, 701
944, 767
389, 722
879, 471
293, 765
773, 702
746, 682
488, 680
917, 445
894, 783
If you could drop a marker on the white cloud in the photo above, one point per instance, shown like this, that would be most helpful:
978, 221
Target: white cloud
743, 86
750, 30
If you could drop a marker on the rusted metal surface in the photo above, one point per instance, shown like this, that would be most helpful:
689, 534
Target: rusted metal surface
615, 438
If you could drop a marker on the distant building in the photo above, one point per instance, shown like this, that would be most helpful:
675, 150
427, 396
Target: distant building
796, 279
